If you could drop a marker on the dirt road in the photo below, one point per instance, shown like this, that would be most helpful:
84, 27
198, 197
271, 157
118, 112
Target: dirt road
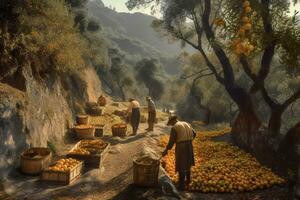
114, 178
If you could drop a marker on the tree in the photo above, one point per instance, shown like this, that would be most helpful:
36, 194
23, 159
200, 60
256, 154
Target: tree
148, 73
39, 34
122, 79
256, 29
206, 99
93, 26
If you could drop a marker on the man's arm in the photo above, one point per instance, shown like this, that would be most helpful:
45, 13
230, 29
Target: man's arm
171, 142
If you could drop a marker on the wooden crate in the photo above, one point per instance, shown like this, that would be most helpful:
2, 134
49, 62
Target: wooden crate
93, 161
64, 178
85, 133
99, 130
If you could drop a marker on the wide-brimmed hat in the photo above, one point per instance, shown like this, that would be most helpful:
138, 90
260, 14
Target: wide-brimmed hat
172, 119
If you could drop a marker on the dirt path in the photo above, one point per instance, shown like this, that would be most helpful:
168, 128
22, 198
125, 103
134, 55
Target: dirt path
114, 177
114, 180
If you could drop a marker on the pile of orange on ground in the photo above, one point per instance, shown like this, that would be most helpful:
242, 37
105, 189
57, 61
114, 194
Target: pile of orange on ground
221, 167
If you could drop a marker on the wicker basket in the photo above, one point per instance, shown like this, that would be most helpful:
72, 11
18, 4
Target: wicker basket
85, 133
119, 130
82, 119
34, 160
145, 171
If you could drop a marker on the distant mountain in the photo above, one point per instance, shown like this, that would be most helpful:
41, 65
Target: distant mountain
133, 34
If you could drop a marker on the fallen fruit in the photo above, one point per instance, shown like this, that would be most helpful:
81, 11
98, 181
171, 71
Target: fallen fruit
64, 165
221, 167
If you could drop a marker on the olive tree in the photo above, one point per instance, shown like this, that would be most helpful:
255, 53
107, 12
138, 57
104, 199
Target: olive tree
245, 35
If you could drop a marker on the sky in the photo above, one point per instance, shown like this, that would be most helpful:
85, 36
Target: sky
121, 7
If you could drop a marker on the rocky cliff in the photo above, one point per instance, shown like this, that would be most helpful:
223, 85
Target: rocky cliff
42, 112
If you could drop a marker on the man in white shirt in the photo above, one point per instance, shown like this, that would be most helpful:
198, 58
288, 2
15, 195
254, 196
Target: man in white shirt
182, 135
134, 109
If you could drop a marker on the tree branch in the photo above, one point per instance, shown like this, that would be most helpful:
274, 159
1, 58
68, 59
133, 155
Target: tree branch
291, 100
194, 74
224, 60
204, 75
247, 68
268, 99
179, 35
270, 48
216, 13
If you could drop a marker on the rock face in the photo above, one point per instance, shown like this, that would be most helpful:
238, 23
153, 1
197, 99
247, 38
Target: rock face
41, 113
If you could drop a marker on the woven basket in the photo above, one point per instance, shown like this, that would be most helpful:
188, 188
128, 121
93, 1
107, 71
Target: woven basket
82, 119
118, 131
34, 160
145, 171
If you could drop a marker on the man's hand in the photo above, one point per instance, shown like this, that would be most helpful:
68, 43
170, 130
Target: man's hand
164, 153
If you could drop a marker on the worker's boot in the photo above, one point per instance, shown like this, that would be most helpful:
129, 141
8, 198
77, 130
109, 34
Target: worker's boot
181, 184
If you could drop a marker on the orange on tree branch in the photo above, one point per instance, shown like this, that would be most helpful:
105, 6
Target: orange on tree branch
223, 58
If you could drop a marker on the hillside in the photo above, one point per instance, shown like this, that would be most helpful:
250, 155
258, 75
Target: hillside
133, 34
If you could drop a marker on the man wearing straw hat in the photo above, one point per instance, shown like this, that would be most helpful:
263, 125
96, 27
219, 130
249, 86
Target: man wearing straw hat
151, 114
182, 134
134, 109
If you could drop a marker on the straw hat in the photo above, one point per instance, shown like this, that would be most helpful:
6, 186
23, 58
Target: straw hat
172, 119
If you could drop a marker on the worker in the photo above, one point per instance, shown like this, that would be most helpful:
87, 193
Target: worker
183, 135
151, 114
135, 115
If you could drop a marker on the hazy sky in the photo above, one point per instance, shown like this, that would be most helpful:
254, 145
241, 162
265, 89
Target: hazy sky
120, 6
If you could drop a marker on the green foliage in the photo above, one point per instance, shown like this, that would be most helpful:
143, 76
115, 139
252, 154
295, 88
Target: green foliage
80, 20
93, 26
77, 3
45, 39
204, 94
52, 147
147, 73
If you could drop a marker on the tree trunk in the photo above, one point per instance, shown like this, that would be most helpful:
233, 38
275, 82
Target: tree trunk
275, 123
246, 130
122, 93
198, 98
